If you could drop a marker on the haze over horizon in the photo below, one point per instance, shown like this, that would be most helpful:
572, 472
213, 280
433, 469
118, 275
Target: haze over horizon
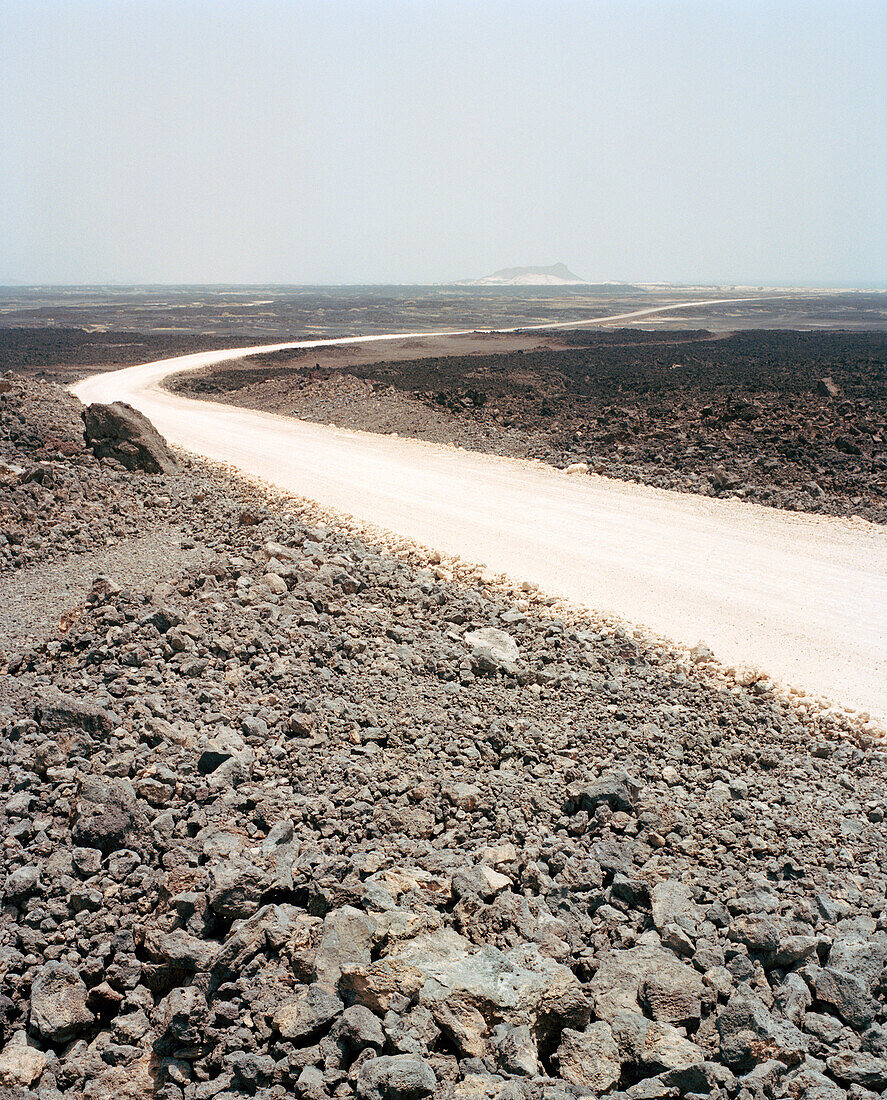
339, 142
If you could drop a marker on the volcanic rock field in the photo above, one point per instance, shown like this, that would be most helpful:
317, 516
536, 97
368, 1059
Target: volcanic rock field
794, 420
293, 810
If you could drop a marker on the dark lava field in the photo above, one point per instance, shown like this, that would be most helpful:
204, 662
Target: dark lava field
795, 420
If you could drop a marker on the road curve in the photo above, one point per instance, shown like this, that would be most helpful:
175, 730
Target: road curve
802, 597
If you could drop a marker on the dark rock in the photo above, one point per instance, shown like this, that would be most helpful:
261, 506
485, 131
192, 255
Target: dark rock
749, 1033
859, 1068
121, 432
846, 994
308, 1013
57, 712
395, 1077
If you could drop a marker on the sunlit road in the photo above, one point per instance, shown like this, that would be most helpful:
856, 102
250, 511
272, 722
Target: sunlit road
802, 597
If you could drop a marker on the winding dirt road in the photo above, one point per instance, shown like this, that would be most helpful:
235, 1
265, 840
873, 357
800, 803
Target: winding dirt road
802, 597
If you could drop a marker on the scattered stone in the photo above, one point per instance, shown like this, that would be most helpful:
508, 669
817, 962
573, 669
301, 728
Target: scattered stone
258, 840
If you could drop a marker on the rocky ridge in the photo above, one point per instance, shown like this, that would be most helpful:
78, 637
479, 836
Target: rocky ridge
320, 816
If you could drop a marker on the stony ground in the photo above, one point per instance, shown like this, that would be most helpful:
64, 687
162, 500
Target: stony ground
747, 415
306, 814
66, 354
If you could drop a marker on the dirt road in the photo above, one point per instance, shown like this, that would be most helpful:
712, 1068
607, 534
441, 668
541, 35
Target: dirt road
802, 597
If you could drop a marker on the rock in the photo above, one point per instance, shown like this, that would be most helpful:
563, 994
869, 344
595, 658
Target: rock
236, 886
519, 986
135, 1080
383, 986
310, 1084
107, 816
180, 949
302, 723
348, 935
22, 882
616, 789
103, 589
183, 1016
395, 1077
672, 993
828, 387
492, 650
722, 479
647, 973
58, 1003
480, 880
56, 711
282, 928
749, 1033
653, 1046
589, 1059
808, 1083
516, 1051
859, 949
307, 1014
358, 1028
769, 938
21, 1065
672, 903
847, 994
466, 1028
793, 998
121, 432
859, 1068
297, 800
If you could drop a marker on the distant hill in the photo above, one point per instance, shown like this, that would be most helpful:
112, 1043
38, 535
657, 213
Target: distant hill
556, 275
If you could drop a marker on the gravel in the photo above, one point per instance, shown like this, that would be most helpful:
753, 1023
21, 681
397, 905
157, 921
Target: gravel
310, 815
36, 599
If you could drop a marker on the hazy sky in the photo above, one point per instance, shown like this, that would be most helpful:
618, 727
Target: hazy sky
340, 142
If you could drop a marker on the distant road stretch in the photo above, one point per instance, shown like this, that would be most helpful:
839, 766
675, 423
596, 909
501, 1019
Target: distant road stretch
802, 597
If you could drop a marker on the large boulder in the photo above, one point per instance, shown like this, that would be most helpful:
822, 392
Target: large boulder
121, 432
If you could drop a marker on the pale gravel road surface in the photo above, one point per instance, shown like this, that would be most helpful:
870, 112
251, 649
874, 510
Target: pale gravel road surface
802, 597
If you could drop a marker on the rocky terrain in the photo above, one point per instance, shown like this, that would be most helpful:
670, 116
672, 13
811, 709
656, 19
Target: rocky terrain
790, 419
289, 811
67, 354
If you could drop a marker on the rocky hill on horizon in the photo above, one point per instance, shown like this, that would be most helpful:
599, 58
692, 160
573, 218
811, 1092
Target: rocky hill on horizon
555, 275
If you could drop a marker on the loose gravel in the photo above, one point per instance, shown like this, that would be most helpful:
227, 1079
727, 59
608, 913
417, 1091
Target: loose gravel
314, 815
